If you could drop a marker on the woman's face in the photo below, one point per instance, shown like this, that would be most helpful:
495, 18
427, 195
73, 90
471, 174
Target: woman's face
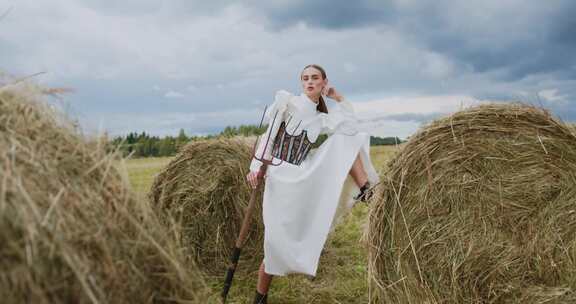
312, 82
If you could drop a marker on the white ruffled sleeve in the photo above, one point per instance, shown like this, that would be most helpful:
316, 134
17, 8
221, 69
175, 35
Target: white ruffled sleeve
341, 119
280, 104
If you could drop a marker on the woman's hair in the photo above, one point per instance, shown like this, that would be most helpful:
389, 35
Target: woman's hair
321, 104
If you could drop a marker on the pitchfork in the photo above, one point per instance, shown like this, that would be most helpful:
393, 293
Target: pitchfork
250, 209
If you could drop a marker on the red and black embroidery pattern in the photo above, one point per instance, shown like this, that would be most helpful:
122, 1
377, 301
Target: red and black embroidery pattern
291, 148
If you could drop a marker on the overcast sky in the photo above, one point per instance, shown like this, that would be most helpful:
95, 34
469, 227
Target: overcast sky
158, 66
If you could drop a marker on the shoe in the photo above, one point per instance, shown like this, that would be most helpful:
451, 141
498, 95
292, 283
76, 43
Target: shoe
365, 193
260, 298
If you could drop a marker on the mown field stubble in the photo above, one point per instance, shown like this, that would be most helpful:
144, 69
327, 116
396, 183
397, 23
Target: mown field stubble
342, 273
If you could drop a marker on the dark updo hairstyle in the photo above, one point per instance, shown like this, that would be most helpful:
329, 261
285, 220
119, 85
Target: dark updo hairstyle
321, 104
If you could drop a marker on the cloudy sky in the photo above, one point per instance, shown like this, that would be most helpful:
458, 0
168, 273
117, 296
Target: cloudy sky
158, 66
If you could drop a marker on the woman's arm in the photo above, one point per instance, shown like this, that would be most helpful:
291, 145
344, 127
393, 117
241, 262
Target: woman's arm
342, 114
341, 102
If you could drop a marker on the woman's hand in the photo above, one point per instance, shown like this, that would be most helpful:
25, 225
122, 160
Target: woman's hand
330, 92
252, 178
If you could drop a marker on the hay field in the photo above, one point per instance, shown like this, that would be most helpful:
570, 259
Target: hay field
342, 273
70, 229
478, 207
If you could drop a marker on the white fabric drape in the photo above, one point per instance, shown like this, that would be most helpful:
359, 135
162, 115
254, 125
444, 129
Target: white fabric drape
302, 202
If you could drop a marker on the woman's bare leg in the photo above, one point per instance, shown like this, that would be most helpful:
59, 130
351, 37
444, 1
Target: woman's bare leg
358, 173
264, 280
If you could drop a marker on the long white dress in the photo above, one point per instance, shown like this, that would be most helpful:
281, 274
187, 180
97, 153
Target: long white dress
303, 202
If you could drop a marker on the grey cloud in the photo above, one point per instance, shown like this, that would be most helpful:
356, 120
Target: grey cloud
520, 40
125, 7
168, 123
235, 58
531, 39
177, 8
404, 117
516, 40
563, 28
326, 14
8, 51
418, 117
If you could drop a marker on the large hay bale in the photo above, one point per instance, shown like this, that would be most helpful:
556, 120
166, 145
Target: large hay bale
479, 207
204, 191
70, 229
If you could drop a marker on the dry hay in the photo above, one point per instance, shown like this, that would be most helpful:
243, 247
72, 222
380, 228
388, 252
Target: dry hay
479, 207
70, 229
204, 191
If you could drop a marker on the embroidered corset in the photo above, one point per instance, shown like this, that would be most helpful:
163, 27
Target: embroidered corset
291, 148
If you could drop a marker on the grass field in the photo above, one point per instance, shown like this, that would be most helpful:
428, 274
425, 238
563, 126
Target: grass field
342, 272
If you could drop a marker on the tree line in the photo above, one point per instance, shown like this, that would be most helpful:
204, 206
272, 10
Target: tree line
145, 145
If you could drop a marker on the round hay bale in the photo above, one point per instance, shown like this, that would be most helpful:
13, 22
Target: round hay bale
478, 207
204, 191
71, 231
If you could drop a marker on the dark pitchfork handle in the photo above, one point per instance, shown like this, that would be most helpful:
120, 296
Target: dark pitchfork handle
243, 234
250, 209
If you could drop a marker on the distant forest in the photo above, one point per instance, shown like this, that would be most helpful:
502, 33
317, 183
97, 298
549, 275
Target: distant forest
145, 145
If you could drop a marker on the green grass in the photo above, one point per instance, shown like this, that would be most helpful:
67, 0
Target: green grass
342, 271
141, 172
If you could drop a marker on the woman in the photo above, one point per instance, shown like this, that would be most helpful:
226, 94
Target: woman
304, 194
